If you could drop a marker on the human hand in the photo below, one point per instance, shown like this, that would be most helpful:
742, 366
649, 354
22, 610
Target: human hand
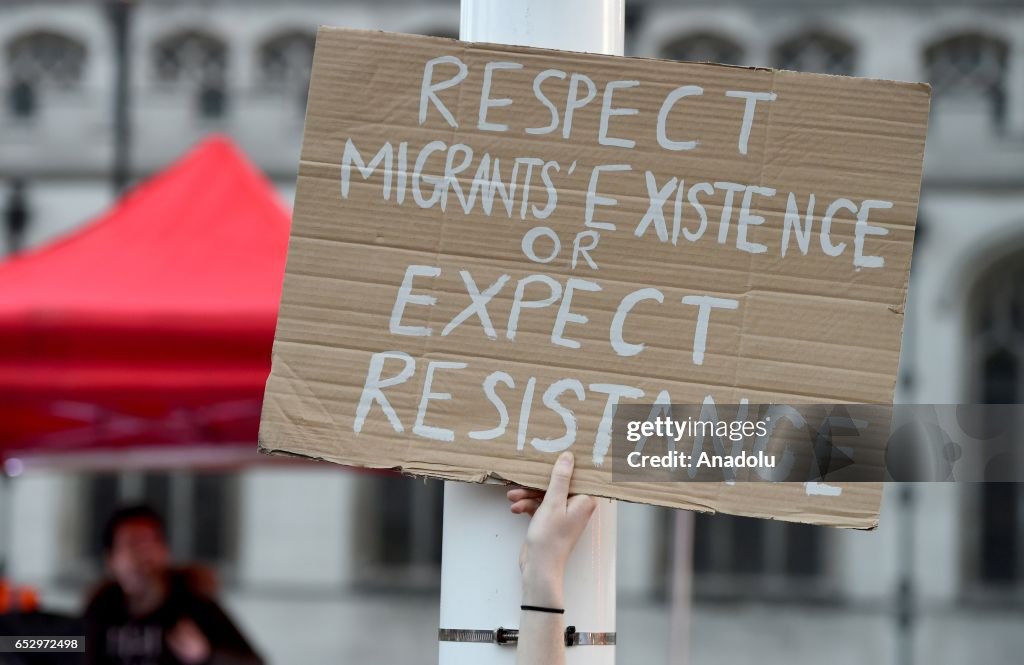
188, 642
557, 522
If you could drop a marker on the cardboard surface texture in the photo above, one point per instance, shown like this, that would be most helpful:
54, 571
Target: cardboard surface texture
493, 245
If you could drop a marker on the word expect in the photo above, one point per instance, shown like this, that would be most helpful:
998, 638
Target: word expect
554, 292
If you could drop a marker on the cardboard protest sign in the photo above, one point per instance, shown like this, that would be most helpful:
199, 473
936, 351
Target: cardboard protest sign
494, 246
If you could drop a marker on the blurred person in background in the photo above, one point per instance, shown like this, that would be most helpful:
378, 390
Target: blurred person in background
149, 613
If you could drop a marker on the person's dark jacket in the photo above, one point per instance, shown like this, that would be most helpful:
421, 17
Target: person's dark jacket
114, 637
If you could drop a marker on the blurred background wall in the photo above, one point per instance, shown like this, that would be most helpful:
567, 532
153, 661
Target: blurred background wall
323, 563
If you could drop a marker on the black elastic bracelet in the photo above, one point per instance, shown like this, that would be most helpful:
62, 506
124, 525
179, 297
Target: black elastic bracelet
535, 608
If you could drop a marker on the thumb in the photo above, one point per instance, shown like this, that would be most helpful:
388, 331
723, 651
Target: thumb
561, 475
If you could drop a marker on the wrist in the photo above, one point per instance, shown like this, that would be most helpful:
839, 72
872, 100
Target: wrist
543, 587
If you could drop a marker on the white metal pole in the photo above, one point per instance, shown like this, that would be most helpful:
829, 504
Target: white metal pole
591, 26
682, 588
480, 580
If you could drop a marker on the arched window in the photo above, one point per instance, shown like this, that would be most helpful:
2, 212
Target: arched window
970, 66
285, 62
198, 61
816, 52
40, 60
704, 47
996, 344
998, 334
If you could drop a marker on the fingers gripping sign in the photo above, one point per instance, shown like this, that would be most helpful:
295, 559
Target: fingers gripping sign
557, 522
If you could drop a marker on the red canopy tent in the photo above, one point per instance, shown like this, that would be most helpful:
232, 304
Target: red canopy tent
151, 327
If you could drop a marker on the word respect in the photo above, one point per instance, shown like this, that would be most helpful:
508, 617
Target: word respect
576, 91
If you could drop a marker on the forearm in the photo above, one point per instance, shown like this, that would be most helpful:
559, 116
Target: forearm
541, 634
